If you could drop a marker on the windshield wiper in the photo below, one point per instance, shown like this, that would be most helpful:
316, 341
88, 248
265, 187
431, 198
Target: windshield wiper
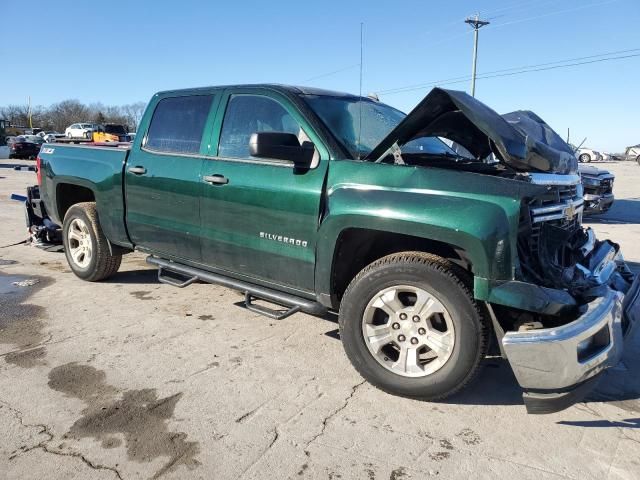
453, 156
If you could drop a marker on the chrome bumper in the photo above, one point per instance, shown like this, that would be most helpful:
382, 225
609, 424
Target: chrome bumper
561, 357
598, 203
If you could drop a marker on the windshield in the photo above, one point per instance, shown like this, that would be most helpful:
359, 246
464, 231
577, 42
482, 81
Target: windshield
342, 116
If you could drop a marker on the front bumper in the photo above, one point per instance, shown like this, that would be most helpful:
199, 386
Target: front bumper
597, 203
557, 366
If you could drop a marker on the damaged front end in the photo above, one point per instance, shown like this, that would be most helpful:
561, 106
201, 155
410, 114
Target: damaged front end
557, 355
562, 317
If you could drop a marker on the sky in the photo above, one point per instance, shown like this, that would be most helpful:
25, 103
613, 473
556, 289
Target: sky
124, 51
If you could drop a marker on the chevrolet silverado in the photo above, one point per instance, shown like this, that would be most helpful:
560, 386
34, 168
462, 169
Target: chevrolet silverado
431, 234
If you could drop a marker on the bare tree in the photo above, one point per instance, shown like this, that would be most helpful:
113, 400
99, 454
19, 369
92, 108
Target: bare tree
60, 115
133, 112
67, 112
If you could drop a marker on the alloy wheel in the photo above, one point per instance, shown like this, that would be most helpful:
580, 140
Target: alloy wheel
408, 331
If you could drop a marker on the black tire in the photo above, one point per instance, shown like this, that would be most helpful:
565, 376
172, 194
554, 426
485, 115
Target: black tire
446, 281
102, 264
638, 159
585, 158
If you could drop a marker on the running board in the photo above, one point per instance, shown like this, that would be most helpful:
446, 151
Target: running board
252, 292
268, 312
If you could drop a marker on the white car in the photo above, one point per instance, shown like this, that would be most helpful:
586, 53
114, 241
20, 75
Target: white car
80, 130
586, 155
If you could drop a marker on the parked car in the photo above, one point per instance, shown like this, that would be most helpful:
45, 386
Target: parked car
598, 189
633, 153
50, 136
80, 130
424, 254
586, 155
24, 146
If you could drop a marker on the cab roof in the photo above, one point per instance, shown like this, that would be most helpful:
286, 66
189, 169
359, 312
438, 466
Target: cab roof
286, 89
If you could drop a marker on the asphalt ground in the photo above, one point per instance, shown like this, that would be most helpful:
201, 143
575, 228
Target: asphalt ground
131, 378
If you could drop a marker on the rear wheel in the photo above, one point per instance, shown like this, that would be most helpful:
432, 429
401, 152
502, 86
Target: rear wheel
585, 158
410, 326
85, 246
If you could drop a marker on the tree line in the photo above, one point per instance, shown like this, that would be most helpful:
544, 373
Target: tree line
59, 116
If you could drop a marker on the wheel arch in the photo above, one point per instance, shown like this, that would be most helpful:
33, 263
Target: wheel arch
343, 252
69, 194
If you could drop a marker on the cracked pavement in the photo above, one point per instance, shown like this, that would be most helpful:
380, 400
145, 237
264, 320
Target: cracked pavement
133, 379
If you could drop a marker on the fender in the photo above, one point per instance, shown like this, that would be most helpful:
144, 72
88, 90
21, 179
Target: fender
481, 220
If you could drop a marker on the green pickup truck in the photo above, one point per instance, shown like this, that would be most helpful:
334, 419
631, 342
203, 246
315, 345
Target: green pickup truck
434, 235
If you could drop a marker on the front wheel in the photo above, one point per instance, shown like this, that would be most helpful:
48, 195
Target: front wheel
638, 159
85, 246
410, 326
585, 158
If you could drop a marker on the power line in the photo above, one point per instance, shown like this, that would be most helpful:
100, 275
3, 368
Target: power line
556, 12
333, 72
523, 67
508, 74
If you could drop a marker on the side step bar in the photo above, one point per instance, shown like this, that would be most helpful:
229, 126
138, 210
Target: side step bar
251, 291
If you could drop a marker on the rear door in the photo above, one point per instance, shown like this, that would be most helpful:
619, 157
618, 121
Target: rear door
260, 216
162, 177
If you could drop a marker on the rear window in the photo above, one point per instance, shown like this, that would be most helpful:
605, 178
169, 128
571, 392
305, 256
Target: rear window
177, 124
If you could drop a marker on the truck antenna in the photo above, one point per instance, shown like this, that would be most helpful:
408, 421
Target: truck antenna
360, 94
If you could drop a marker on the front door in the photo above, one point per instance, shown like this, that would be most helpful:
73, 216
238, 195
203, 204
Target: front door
260, 216
162, 178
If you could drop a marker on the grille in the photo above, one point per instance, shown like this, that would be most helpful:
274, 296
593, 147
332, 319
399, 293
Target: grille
561, 202
560, 206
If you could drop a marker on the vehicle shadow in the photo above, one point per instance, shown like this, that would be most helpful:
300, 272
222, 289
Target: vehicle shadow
628, 423
143, 276
497, 385
625, 211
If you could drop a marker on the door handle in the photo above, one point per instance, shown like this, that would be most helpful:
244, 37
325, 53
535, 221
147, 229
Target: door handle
137, 170
216, 179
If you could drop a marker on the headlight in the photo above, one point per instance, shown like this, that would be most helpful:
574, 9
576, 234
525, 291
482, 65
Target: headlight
593, 182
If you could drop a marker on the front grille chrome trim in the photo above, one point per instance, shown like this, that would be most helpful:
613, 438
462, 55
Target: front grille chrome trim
557, 211
554, 179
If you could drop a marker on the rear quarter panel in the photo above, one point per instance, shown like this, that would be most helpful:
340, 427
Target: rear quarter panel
99, 169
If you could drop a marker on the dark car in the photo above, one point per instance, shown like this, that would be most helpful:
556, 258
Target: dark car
598, 189
25, 146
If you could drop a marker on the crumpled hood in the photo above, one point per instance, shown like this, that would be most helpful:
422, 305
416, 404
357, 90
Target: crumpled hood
521, 139
592, 171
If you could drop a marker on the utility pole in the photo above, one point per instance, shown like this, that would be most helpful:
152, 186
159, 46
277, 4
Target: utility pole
477, 24
29, 112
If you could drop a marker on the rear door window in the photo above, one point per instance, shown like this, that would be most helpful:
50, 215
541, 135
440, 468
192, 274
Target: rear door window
178, 123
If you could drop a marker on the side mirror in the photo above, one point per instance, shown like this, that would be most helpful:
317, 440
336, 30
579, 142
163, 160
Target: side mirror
281, 146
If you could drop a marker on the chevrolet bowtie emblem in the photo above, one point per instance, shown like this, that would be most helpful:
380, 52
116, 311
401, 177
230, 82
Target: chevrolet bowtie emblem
570, 211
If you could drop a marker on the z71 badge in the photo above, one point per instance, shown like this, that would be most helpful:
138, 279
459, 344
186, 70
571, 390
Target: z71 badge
282, 239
